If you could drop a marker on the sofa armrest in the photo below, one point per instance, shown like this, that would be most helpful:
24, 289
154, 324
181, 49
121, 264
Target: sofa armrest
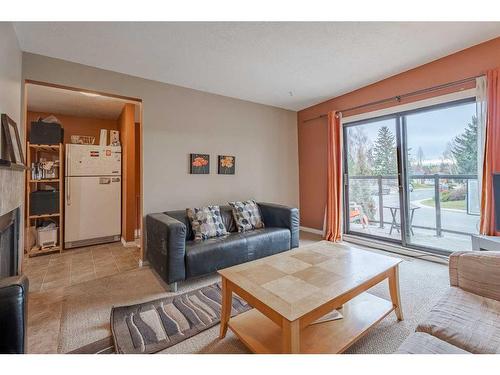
275, 215
166, 246
13, 302
476, 272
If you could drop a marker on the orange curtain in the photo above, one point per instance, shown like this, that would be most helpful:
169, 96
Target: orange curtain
491, 152
334, 176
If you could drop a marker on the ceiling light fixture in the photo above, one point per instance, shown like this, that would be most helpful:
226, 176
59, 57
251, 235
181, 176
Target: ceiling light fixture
91, 94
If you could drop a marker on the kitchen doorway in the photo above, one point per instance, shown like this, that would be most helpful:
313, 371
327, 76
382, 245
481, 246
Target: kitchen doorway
85, 168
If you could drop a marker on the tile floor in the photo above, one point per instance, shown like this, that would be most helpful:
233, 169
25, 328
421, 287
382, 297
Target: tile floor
78, 265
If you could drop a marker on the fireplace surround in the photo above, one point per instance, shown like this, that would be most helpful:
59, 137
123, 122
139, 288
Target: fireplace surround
9, 243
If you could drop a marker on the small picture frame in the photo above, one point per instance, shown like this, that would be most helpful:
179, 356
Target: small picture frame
10, 139
227, 164
199, 164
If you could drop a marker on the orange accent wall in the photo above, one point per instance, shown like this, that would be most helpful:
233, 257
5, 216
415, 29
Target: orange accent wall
312, 135
74, 125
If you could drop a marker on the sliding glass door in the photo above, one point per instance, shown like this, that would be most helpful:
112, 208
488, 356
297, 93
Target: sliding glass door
371, 192
411, 178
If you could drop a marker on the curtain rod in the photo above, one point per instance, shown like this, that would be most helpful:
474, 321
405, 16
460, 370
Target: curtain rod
399, 97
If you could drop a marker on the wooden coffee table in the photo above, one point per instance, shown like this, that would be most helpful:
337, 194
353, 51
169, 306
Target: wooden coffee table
291, 290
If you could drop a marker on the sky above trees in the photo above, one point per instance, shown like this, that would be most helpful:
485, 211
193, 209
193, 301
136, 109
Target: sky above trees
430, 133
433, 130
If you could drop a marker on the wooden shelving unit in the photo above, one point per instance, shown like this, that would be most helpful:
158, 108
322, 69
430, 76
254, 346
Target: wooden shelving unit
53, 148
33, 155
46, 180
43, 216
38, 251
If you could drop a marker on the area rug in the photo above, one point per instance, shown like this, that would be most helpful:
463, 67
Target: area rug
156, 325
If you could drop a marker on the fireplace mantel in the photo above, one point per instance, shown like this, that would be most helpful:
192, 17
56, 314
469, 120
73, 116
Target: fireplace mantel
7, 164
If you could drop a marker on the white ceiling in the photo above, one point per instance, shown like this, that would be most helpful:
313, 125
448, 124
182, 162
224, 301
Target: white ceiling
288, 65
73, 103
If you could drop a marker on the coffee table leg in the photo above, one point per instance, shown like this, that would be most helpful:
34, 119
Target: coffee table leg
291, 336
227, 299
394, 291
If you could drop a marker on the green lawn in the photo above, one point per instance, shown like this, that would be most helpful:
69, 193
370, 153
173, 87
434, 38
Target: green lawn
417, 185
457, 205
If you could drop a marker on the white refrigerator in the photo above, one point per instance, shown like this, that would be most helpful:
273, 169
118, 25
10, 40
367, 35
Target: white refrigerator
92, 195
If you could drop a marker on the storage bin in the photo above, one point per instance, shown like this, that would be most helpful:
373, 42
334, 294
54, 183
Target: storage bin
46, 133
46, 237
44, 202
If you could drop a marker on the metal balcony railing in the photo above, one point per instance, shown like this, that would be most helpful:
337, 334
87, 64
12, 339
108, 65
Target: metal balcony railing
436, 178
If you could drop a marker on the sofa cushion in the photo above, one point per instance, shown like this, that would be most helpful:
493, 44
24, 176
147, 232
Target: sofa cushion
226, 214
423, 343
465, 320
206, 222
266, 241
208, 256
228, 218
247, 215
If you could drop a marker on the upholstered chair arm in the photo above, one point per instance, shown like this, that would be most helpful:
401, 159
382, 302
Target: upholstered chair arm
477, 272
275, 215
166, 246
13, 304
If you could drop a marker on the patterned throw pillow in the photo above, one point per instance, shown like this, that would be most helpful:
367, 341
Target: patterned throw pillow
206, 222
247, 215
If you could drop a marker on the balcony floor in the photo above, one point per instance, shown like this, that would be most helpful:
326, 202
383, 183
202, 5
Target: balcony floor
455, 220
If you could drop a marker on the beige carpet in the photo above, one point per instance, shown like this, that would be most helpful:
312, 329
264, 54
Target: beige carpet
86, 309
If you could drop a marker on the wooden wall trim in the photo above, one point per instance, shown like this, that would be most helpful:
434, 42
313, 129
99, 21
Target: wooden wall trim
129, 207
55, 85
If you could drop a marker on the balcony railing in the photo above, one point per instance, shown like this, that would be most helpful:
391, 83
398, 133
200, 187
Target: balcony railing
436, 178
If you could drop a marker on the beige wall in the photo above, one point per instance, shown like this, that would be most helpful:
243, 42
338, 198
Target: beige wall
11, 182
178, 121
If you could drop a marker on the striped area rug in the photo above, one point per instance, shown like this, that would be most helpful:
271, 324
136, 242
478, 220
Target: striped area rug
153, 326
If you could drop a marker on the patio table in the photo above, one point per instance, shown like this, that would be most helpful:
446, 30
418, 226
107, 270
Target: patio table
394, 210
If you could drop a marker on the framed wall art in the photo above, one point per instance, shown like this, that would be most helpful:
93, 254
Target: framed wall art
11, 149
199, 164
227, 164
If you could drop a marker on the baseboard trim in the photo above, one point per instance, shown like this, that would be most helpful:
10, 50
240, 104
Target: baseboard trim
129, 244
311, 230
91, 242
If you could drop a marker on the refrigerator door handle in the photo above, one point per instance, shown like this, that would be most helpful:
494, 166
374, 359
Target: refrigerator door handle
68, 161
104, 180
68, 192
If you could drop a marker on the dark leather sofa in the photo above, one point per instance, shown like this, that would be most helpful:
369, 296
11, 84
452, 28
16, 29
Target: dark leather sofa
13, 301
175, 256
